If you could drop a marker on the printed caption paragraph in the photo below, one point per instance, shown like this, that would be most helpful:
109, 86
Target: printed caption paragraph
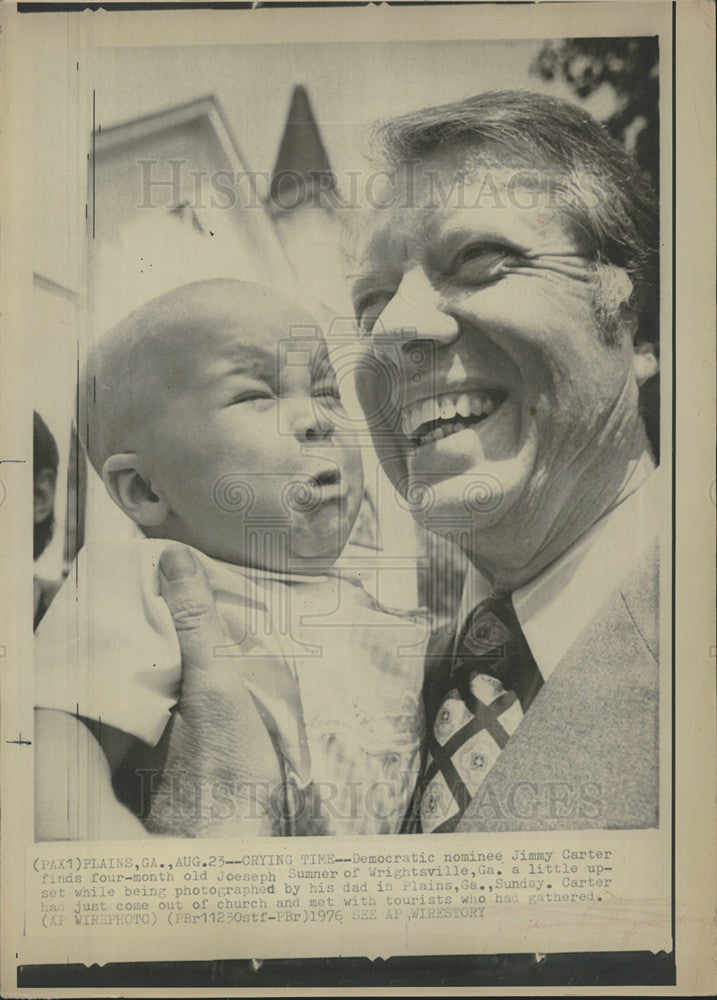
445, 899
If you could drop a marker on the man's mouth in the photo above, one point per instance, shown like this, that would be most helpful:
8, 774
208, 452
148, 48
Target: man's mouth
438, 417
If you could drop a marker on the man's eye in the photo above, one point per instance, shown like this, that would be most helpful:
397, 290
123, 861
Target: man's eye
480, 263
368, 310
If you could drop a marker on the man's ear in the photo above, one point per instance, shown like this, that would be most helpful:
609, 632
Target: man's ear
43, 494
645, 362
132, 492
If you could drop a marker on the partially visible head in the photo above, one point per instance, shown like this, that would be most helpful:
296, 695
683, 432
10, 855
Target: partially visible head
45, 460
499, 286
212, 415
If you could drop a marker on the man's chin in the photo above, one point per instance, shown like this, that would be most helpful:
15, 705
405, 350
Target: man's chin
474, 500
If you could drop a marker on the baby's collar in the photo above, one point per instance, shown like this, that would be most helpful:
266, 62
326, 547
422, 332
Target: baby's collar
255, 573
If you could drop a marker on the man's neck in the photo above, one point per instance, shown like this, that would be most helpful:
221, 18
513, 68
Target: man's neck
509, 567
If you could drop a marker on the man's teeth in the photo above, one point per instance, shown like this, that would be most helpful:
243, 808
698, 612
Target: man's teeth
446, 407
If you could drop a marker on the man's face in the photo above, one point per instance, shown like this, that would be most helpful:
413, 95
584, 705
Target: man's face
246, 446
506, 403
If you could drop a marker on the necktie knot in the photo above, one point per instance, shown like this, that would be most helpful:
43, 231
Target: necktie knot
492, 642
488, 630
489, 644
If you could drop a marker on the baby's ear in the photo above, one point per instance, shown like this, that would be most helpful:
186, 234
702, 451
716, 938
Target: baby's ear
132, 492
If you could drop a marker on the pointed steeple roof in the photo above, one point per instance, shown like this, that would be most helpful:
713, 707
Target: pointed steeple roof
302, 166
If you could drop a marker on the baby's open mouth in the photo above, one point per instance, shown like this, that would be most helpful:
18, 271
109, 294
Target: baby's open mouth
327, 485
438, 417
327, 477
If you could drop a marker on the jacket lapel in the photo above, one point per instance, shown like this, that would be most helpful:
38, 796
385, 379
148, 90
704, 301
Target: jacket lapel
586, 753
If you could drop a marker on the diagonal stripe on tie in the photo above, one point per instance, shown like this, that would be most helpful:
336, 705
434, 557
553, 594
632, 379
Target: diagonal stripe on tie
441, 754
449, 825
456, 786
488, 719
503, 702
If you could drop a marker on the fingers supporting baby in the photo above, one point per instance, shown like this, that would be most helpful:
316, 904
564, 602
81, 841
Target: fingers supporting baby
222, 776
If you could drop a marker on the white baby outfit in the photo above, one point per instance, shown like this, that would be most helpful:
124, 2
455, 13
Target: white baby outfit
337, 678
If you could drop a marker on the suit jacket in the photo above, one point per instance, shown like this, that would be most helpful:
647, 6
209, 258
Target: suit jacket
586, 754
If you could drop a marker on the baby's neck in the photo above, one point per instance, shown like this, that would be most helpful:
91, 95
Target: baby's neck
275, 560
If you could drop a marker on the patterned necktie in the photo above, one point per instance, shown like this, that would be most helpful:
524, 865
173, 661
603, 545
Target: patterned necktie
493, 679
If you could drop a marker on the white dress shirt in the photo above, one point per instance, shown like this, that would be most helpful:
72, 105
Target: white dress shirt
557, 604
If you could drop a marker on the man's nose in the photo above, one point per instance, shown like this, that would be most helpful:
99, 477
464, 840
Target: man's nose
416, 312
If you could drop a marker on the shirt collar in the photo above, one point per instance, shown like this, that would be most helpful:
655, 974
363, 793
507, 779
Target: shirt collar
555, 606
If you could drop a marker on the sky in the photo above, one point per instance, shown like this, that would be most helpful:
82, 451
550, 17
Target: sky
350, 85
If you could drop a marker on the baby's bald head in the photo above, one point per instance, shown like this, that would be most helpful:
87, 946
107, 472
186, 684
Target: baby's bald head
151, 355
209, 410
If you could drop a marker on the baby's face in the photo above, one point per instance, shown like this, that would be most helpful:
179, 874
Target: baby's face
249, 445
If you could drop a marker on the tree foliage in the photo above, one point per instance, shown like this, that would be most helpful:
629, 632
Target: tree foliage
629, 66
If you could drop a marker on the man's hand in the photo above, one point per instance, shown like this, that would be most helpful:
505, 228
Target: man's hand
222, 776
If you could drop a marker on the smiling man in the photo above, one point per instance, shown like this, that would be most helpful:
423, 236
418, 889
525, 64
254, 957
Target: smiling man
499, 293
